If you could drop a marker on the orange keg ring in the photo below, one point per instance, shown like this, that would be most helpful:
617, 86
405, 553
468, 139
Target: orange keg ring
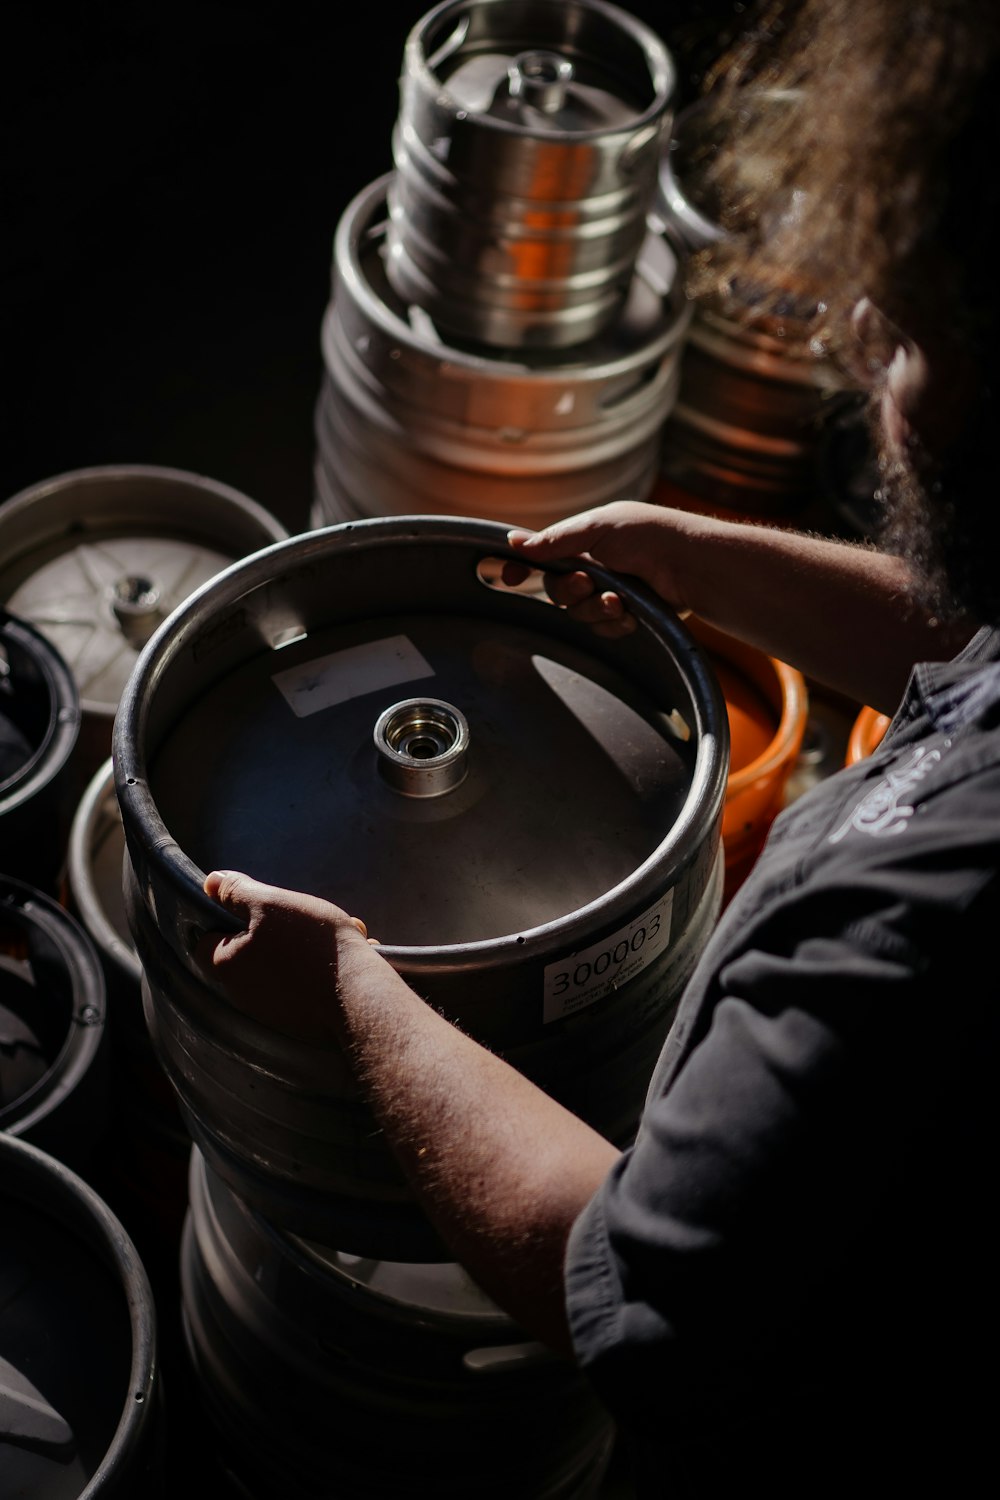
866, 734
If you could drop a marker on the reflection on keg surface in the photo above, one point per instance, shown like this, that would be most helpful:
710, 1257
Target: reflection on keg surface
526, 150
547, 882
96, 558
324, 1373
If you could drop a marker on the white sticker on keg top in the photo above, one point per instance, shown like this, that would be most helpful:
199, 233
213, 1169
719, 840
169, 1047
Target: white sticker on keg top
579, 979
351, 673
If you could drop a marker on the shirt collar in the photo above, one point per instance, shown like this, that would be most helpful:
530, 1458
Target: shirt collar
955, 692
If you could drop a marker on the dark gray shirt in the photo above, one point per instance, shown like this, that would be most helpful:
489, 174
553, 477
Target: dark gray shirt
790, 1280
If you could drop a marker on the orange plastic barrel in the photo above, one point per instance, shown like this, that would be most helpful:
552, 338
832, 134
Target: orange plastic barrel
767, 704
866, 734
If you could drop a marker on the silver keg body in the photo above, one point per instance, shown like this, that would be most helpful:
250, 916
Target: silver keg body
526, 151
755, 395
96, 559
506, 316
406, 424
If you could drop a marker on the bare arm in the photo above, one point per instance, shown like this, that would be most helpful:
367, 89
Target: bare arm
499, 1167
842, 613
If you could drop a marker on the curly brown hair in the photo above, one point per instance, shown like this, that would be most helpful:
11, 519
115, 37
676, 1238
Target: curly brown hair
880, 180
877, 177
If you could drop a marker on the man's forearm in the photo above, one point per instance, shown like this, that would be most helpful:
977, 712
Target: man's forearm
499, 1167
841, 613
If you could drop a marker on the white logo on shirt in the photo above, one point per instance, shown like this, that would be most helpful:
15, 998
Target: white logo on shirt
882, 812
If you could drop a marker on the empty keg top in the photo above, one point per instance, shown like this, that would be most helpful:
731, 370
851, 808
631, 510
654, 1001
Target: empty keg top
527, 783
68, 1347
97, 558
378, 725
573, 67
535, 90
39, 713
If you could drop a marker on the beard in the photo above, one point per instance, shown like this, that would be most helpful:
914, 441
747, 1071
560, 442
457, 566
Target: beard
939, 517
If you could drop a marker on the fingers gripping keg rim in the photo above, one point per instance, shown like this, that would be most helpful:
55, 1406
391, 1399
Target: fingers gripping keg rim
249, 606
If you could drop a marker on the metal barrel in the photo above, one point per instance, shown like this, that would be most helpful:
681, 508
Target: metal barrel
96, 558
94, 859
39, 729
748, 427
526, 151
53, 1020
748, 424
407, 424
148, 1146
81, 1400
550, 891
321, 1372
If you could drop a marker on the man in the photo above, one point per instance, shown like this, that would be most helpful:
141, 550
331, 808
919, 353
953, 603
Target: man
788, 1281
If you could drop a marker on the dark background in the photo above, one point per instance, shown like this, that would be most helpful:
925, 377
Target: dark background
170, 182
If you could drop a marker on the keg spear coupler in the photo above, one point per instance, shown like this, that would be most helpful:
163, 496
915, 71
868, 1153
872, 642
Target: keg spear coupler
423, 746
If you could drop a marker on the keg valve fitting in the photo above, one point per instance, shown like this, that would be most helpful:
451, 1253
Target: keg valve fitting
423, 747
135, 603
540, 79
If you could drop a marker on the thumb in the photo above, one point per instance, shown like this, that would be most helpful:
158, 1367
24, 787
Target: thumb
233, 892
228, 887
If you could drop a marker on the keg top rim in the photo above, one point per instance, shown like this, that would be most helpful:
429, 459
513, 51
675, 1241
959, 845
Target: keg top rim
661, 630
662, 70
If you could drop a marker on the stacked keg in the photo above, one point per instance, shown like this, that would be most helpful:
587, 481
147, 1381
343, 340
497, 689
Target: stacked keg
504, 333
528, 818
92, 561
763, 425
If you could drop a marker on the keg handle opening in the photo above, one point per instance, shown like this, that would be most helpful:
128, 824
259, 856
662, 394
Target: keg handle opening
489, 571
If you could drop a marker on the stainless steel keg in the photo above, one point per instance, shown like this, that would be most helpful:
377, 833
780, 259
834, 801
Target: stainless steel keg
81, 1399
39, 729
749, 420
326, 1373
526, 149
755, 397
406, 424
148, 1146
96, 558
94, 860
526, 816
53, 1028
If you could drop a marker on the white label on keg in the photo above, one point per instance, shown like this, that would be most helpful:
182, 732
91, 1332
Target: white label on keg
351, 673
576, 981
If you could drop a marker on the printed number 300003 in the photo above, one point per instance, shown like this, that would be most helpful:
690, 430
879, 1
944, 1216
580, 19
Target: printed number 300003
586, 976
580, 976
